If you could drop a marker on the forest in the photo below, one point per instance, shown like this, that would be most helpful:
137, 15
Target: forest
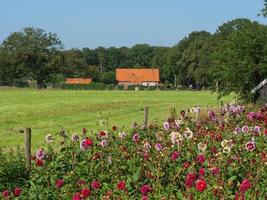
233, 59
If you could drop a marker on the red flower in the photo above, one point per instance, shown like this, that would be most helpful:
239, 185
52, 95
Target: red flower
39, 162
175, 155
89, 142
146, 156
265, 132
85, 192
215, 170
244, 186
145, 189
59, 183
201, 185
96, 185
17, 191
5, 193
121, 185
213, 150
144, 197
114, 128
186, 164
102, 133
190, 178
76, 196
201, 172
201, 158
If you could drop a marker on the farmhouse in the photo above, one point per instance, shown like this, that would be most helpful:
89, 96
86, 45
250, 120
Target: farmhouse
82, 81
144, 77
260, 91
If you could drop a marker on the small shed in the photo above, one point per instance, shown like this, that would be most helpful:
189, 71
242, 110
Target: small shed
81, 81
260, 92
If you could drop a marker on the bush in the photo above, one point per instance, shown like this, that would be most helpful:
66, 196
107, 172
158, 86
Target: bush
221, 157
12, 169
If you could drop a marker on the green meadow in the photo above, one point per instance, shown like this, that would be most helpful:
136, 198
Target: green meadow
47, 111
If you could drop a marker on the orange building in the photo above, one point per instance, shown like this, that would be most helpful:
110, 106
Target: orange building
145, 77
82, 81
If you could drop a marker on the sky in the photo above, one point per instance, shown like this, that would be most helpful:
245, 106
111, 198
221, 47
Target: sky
93, 23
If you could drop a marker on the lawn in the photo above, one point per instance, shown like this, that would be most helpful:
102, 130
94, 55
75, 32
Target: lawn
46, 111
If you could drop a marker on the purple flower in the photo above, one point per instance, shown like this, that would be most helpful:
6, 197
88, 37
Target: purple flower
40, 154
166, 126
158, 147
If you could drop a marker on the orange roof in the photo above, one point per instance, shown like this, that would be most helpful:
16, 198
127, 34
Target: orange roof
137, 75
84, 81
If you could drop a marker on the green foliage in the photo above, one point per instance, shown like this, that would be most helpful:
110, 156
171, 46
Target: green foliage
12, 171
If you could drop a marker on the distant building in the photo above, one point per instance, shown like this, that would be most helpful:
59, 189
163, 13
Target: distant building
144, 77
82, 81
260, 91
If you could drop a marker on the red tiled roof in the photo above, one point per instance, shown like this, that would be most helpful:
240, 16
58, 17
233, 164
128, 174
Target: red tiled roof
137, 75
84, 81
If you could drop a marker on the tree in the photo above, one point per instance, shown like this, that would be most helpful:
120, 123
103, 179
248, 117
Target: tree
35, 53
264, 10
240, 63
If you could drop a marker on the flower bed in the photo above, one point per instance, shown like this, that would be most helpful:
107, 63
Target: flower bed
221, 157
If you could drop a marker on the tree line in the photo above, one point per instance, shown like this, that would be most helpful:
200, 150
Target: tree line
233, 59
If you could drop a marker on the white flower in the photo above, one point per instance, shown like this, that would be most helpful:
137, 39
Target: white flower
147, 146
188, 134
75, 138
110, 159
224, 143
202, 146
176, 138
104, 143
226, 150
122, 135
49, 138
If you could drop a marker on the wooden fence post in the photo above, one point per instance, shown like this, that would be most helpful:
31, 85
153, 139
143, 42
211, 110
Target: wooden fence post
27, 146
145, 117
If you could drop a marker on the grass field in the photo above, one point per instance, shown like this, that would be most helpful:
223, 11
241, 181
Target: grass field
46, 111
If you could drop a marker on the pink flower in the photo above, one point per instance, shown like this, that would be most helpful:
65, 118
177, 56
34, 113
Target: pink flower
215, 170
121, 185
17, 192
136, 137
145, 189
245, 129
175, 155
5, 193
40, 154
85, 192
158, 147
144, 197
81, 182
59, 183
190, 178
86, 144
201, 158
244, 186
201, 172
96, 185
201, 185
104, 143
76, 196
250, 146
166, 126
